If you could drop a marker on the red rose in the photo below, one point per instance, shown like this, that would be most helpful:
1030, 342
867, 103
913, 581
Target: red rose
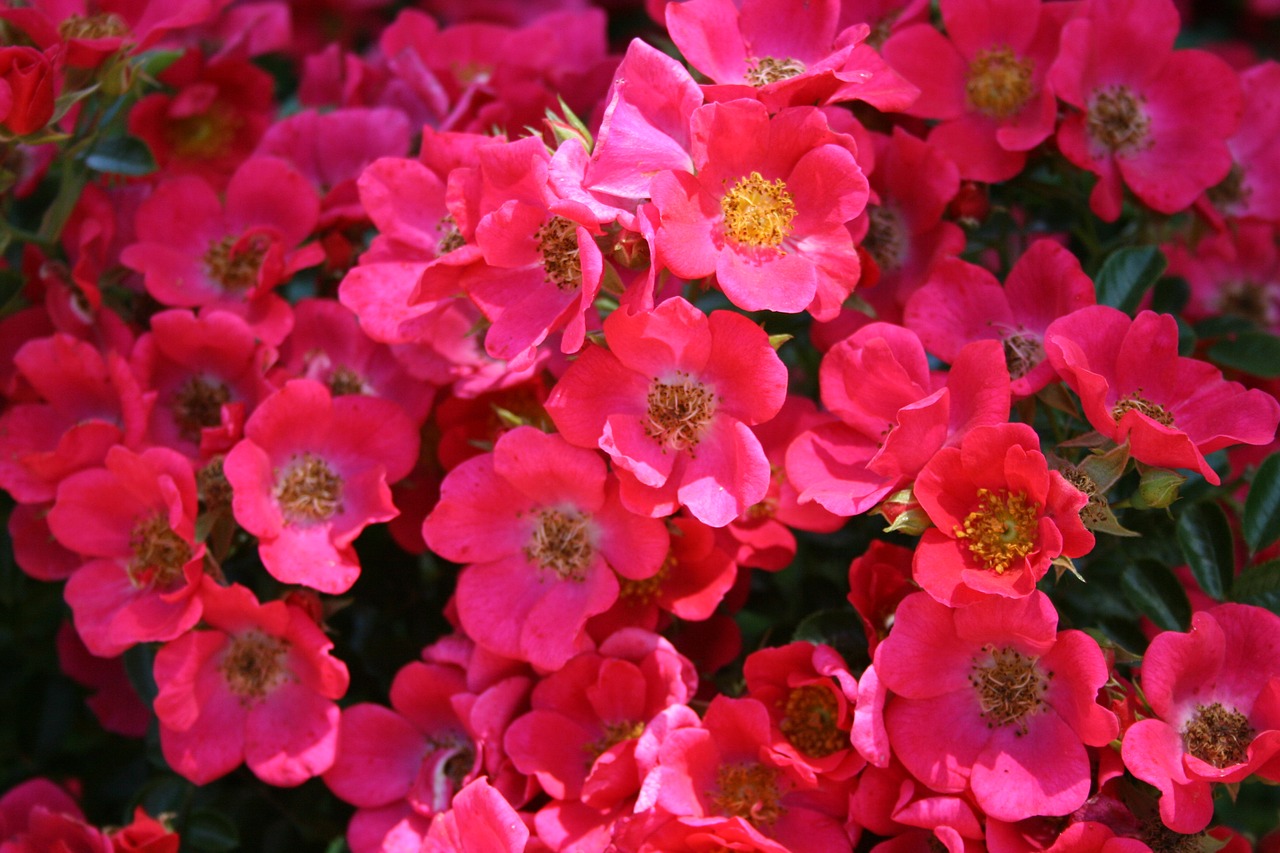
26, 89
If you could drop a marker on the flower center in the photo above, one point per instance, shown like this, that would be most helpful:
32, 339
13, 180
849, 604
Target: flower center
679, 412
198, 404
1231, 190
614, 734
1250, 300
344, 381
748, 791
561, 543
763, 70
1023, 352
999, 83
886, 238
254, 665
1095, 512
1217, 735
809, 721
642, 592
451, 238
309, 490
758, 212
1010, 686
1004, 528
159, 553
205, 135
1137, 403
1116, 120
235, 266
558, 243
1162, 839
99, 26
214, 489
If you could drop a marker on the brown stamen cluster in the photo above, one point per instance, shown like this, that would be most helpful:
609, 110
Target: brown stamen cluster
1094, 512
1010, 686
561, 542
344, 381
1002, 529
1247, 299
757, 212
558, 244
234, 266
211, 481
809, 721
254, 665
1116, 120
1135, 402
1023, 352
679, 412
1162, 839
308, 489
198, 404
100, 26
748, 791
1218, 735
451, 238
763, 70
886, 238
641, 592
159, 553
1231, 190
999, 83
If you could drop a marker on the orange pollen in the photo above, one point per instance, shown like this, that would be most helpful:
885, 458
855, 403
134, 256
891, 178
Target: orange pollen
1218, 735
99, 26
309, 490
1116, 120
1003, 529
1135, 402
614, 734
198, 404
451, 238
999, 83
344, 381
763, 70
254, 664
561, 542
748, 791
810, 721
1010, 686
235, 267
558, 244
758, 212
159, 553
886, 238
679, 412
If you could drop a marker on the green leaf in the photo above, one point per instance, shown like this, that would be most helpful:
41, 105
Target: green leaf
1262, 506
1204, 535
1171, 295
1127, 274
138, 663
121, 155
1151, 587
11, 282
1255, 353
210, 831
1259, 585
840, 629
1222, 325
155, 62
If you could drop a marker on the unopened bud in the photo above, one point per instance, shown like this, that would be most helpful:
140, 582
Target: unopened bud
1157, 489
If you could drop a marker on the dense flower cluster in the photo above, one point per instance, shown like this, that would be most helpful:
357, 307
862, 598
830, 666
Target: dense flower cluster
622, 348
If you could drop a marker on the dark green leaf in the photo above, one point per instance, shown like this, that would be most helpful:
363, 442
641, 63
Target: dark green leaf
1224, 324
1186, 338
155, 62
10, 286
1262, 506
1255, 353
1127, 274
1259, 585
1171, 295
840, 629
138, 662
211, 832
1151, 587
121, 155
1204, 535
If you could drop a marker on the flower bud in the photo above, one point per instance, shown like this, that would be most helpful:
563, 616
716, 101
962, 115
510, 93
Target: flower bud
1158, 488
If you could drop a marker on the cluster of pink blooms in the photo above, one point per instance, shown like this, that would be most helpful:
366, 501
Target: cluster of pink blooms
547, 349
